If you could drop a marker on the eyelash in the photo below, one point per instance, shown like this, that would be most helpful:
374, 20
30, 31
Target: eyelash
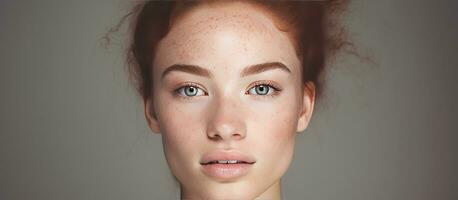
189, 84
270, 84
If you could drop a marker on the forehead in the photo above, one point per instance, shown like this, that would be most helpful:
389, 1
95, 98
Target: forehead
230, 35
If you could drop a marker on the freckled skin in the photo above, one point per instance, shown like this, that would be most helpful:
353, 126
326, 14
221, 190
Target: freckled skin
224, 40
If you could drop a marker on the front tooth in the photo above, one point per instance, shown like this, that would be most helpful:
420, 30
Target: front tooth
222, 161
232, 161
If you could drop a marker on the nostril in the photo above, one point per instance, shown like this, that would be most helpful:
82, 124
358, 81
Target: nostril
237, 136
226, 128
225, 136
214, 137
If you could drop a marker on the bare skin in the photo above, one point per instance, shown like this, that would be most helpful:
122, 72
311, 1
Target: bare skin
225, 104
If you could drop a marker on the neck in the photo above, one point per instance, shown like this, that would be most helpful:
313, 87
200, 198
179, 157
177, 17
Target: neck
272, 193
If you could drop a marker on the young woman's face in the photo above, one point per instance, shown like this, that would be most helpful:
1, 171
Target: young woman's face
227, 87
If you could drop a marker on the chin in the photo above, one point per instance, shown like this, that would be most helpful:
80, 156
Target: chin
232, 190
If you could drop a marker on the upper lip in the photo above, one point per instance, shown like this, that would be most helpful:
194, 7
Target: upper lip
226, 155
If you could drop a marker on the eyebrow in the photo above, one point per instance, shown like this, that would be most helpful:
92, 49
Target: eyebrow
258, 68
250, 70
192, 69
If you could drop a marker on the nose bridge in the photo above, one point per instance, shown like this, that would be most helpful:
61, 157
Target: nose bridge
226, 119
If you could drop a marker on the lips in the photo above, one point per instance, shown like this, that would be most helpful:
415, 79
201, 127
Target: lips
226, 157
226, 165
226, 162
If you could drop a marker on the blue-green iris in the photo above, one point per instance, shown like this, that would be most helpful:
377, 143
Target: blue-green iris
190, 91
262, 89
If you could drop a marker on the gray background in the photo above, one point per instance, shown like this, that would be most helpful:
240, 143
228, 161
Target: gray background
72, 128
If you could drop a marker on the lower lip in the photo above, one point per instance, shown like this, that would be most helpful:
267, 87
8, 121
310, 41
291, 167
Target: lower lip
226, 171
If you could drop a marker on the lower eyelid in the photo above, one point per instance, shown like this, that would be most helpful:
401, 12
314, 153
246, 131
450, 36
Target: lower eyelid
275, 91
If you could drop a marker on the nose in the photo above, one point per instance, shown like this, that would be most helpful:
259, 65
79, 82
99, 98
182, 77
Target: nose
226, 121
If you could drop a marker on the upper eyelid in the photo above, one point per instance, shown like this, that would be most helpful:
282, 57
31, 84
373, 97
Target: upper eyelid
265, 82
192, 84
176, 92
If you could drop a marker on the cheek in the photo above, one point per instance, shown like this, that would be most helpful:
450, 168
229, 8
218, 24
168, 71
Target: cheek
275, 121
273, 129
178, 125
181, 131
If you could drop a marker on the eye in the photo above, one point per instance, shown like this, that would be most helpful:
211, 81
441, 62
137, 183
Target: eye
260, 90
264, 89
190, 91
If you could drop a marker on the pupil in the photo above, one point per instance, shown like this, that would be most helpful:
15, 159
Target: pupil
262, 90
191, 91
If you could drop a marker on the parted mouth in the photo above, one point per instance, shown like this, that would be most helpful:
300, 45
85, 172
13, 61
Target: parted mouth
227, 162
226, 157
